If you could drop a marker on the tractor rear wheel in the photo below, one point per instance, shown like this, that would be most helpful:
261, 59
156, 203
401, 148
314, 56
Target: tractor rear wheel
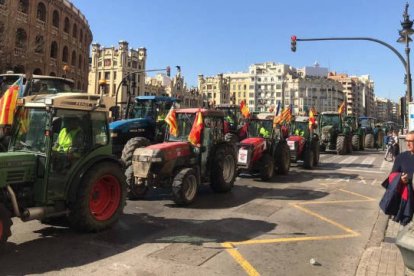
369, 141
341, 145
185, 187
316, 154
282, 159
131, 146
267, 167
308, 159
355, 142
100, 198
134, 191
5, 224
223, 169
348, 140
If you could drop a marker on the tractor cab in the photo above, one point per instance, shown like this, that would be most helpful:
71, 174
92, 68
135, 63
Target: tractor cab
234, 122
59, 153
183, 165
333, 133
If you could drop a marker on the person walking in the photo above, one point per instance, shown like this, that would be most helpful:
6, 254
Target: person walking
389, 146
404, 162
396, 146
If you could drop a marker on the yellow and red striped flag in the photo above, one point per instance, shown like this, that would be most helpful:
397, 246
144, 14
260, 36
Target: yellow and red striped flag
244, 109
171, 120
312, 119
8, 103
341, 108
287, 114
195, 134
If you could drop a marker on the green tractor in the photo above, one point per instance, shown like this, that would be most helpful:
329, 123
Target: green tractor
334, 135
373, 133
358, 136
59, 164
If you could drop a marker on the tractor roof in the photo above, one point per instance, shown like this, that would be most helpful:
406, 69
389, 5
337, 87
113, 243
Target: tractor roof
365, 118
330, 113
37, 77
156, 98
227, 106
204, 111
263, 116
78, 101
301, 119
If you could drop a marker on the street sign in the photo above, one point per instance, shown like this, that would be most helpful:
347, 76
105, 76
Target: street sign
411, 116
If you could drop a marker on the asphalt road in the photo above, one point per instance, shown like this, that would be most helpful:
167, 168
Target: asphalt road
260, 228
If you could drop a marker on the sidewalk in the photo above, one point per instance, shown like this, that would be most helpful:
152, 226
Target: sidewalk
384, 259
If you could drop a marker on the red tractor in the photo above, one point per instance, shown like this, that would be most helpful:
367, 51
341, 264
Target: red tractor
179, 164
235, 125
265, 150
303, 143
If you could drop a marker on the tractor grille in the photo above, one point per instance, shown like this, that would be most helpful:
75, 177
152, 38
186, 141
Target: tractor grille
141, 169
15, 176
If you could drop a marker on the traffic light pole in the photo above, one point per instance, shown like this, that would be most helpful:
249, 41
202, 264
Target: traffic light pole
406, 63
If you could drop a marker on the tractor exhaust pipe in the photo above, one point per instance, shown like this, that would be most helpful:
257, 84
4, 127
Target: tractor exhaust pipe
41, 212
13, 201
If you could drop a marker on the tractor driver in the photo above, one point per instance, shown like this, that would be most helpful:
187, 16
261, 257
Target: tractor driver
264, 132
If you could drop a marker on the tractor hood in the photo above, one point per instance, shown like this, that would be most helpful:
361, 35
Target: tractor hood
16, 167
162, 152
256, 141
295, 138
122, 126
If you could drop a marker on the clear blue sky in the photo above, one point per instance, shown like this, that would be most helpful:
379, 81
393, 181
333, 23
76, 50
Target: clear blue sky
215, 36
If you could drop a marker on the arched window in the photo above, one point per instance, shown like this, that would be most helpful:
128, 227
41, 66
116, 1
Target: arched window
2, 2
55, 19
65, 54
79, 85
1, 32
41, 12
80, 35
73, 63
80, 62
54, 49
19, 69
21, 38
39, 44
52, 74
37, 71
75, 31
66, 27
23, 6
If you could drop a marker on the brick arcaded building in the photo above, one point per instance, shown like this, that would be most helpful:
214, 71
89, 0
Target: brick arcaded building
45, 37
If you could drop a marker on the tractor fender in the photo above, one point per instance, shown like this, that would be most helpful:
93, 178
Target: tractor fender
76, 179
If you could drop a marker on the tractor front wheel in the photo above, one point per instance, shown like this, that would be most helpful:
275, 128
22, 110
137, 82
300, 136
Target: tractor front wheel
341, 145
185, 187
308, 159
369, 141
316, 153
282, 159
131, 146
355, 142
267, 167
223, 169
134, 191
100, 198
5, 224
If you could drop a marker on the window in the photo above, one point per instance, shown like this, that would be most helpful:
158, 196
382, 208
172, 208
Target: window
1, 32
73, 63
75, 30
39, 44
80, 62
107, 62
54, 49
66, 26
55, 19
21, 38
107, 75
209, 86
65, 54
41, 12
2, 2
23, 6
37, 71
80, 35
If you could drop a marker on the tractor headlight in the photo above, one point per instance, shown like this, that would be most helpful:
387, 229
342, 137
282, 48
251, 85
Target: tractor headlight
114, 134
156, 159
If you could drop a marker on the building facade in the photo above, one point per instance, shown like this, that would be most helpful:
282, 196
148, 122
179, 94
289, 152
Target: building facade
122, 68
214, 90
45, 37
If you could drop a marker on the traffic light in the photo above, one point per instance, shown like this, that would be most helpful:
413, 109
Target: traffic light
293, 43
168, 69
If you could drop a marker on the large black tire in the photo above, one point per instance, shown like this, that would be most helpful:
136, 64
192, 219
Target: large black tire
341, 145
322, 147
100, 198
361, 142
185, 187
134, 191
130, 147
223, 169
355, 142
308, 159
5, 224
348, 144
369, 141
267, 167
282, 159
316, 154
231, 138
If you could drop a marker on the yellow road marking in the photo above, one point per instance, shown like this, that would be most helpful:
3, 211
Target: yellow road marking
251, 271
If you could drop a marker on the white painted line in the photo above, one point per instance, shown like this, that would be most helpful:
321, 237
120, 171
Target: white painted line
354, 170
368, 161
349, 160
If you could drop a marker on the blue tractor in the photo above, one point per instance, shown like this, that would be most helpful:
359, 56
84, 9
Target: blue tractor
143, 124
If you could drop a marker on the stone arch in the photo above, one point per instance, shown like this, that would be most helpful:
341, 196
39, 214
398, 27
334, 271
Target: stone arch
41, 12
73, 63
39, 44
21, 38
75, 30
23, 6
19, 69
37, 71
65, 54
52, 74
66, 25
55, 19
54, 49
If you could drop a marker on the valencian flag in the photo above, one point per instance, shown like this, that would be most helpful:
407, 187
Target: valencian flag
312, 119
195, 134
341, 108
287, 114
171, 120
244, 109
8, 102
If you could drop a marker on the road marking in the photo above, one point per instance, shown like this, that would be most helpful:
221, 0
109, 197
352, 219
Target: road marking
356, 170
368, 161
330, 159
250, 270
349, 160
361, 180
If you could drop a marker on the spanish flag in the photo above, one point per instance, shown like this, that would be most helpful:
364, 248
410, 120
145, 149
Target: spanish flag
341, 108
171, 120
8, 103
195, 134
244, 109
312, 120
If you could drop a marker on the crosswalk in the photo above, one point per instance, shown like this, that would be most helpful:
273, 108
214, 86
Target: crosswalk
369, 162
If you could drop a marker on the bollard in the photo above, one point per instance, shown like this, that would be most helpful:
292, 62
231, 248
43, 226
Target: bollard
405, 243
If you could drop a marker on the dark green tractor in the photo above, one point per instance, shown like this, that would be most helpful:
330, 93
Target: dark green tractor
373, 132
44, 177
358, 135
334, 134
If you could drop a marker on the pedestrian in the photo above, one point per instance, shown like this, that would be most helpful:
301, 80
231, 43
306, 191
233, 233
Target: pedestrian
396, 146
404, 162
389, 141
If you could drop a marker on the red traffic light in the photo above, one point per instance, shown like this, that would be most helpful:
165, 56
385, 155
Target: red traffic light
168, 69
293, 43
293, 37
